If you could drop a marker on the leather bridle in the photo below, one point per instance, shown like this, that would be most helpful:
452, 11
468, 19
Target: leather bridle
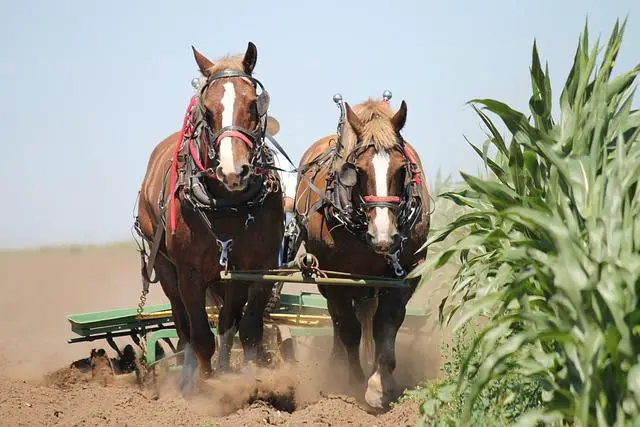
199, 131
252, 138
407, 206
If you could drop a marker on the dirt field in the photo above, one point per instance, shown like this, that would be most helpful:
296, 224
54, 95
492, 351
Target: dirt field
41, 287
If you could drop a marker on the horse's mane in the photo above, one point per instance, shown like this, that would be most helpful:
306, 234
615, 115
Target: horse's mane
228, 62
376, 118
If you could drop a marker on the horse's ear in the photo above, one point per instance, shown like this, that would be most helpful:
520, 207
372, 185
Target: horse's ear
250, 58
273, 126
203, 63
400, 117
354, 120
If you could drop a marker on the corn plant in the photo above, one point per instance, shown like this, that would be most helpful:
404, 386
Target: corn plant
550, 255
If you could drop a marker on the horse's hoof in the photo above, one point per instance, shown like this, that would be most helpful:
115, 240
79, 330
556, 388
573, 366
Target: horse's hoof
374, 395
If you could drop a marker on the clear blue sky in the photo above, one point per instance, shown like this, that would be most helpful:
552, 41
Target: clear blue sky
87, 89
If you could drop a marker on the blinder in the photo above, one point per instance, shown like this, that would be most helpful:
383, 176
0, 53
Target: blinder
348, 175
262, 103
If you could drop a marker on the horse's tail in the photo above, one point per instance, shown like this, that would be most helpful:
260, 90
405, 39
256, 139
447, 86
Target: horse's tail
365, 310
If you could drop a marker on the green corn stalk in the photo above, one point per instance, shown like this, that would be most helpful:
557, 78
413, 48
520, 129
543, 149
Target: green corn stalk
549, 245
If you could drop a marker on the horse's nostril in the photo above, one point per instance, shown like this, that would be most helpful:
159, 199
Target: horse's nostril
219, 173
244, 171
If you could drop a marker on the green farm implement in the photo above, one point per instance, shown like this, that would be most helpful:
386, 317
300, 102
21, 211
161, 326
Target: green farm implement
301, 314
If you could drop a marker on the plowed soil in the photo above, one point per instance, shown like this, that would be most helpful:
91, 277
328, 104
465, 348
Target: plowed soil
39, 388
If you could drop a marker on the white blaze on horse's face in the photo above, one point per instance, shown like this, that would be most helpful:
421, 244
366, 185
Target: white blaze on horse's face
382, 233
227, 162
233, 169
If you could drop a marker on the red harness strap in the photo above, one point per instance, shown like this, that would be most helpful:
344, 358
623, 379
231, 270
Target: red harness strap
225, 134
174, 166
234, 133
382, 199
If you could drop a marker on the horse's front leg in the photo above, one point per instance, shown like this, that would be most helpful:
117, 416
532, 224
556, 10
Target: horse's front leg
252, 323
346, 329
229, 322
386, 323
201, 340
168, 277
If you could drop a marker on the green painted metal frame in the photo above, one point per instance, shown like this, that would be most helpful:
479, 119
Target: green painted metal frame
121, 319
107, 324
124, 319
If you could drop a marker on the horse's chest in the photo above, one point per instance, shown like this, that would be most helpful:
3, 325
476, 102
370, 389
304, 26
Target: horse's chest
352, 257
240, 241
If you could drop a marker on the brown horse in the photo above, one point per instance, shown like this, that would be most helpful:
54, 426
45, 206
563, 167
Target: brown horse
368, 214
216, 181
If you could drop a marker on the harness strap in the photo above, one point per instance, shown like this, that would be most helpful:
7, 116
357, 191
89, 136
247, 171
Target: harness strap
281, 150
196, 158
381, 199
237, 134
174, 167
416, 172
321, 194
155, 245
316, 190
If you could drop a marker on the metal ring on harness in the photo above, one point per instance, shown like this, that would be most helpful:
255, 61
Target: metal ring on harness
308, 264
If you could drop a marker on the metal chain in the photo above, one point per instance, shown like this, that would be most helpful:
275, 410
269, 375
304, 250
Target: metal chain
143, 300
145, 282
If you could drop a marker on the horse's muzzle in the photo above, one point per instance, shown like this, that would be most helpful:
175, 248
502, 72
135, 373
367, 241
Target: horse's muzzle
384, 245
235, 181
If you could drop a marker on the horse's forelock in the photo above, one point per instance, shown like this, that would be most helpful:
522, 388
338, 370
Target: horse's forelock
376, 118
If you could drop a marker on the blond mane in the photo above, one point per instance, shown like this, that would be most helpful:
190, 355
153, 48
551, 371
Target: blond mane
376, 118
229, 62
